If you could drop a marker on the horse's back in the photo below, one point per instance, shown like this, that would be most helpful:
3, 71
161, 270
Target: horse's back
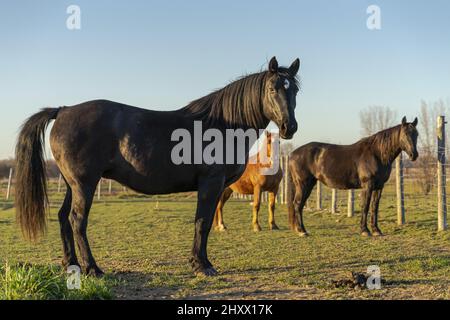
103, 137
84, 130
334, 165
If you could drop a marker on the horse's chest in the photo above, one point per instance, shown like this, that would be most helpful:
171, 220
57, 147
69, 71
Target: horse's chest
381, 176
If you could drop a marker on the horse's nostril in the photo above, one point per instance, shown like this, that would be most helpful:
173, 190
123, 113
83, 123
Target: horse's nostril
293, 127
283, 127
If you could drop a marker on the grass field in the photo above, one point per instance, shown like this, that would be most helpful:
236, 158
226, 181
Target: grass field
144, 250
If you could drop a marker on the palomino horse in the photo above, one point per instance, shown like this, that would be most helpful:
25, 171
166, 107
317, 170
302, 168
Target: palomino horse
253, 182
135, 147
365, 164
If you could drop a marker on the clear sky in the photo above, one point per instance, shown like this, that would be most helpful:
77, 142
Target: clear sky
163, 54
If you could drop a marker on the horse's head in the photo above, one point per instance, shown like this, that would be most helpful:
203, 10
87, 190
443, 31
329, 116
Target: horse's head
408, 138
279, 97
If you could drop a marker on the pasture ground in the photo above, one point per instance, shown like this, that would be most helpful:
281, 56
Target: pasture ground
144, 249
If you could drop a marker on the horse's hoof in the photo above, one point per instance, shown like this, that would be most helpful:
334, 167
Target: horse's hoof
377, 233
220, 228
274, 227
365, 234
208, 272
303, 233
95, 272
257, 228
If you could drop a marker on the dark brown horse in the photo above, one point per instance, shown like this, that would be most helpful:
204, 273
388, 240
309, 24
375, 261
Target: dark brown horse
253, 181
135, 147
365, 164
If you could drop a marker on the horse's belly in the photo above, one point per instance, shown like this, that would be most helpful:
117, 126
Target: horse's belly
339, 183
156, 182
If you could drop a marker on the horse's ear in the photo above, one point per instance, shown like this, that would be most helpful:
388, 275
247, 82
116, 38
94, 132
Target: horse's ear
273, 65
293, 69
404, 121
414, 123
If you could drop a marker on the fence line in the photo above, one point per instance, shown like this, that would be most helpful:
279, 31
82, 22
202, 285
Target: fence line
435, 186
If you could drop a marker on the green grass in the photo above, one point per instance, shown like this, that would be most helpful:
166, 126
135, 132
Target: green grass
33, 282
145, 253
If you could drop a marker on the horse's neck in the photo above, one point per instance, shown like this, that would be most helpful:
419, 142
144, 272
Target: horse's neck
388, 156
394, 155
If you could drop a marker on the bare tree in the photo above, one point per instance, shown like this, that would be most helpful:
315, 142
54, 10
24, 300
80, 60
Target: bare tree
376, 118
427, 143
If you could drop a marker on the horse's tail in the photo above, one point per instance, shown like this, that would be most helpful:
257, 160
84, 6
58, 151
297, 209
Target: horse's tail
290, 197
31, 199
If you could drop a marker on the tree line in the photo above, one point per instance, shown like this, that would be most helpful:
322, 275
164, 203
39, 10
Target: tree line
5, 165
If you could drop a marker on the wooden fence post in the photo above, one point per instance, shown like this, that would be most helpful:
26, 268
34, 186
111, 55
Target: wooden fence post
319, 196
8, 190
110, 187
59, 183
442, 194
281, 190
99, 189
286, 179
400, 190
351, 203
333, 201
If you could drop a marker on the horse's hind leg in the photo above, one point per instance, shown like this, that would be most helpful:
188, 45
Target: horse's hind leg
82, 196
376, 196
272, 224
302, 192
218, 217
256, 206
70, 257
365, 197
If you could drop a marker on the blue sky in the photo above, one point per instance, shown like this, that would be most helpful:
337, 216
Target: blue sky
163, 54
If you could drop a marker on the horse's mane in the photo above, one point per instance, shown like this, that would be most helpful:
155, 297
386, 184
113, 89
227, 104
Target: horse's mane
386, 142
239, 104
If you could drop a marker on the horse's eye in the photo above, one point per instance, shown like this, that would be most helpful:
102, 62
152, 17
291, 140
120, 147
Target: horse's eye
286, 84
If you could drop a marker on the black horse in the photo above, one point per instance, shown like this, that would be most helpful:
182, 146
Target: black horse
133, 146
366, 164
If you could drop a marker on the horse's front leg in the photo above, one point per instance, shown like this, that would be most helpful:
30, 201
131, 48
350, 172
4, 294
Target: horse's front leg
376, 196
272, 199
256, 206
366, 196
218, 223
209, 191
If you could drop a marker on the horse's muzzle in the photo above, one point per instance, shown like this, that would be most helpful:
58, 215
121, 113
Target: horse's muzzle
414, 156
288, 129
